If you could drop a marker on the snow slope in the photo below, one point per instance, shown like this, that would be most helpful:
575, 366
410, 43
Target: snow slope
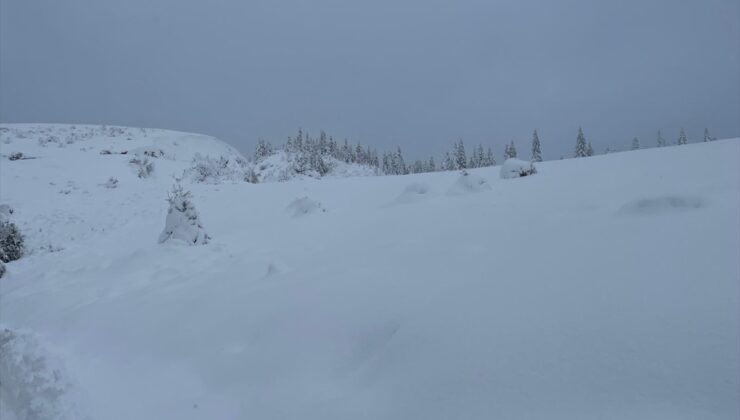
604, 287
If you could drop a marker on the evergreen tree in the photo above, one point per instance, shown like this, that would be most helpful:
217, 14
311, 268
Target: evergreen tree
510, 151
448, 164
432, 166
490, 159
460, 156
536, 150
589, 150
682, 138
580, 144
660, 140
183, 221
607, 150
400, 164
635, 144
707, 137
262, 150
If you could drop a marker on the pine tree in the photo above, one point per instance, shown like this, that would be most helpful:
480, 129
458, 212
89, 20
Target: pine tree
510, 151
536, 150
707, 137
490, 159
432, 166
635, 144
580, 144
460, 156
660, 140
400, 164
607, 150
448, 164
183, 221
589, 150
682, 138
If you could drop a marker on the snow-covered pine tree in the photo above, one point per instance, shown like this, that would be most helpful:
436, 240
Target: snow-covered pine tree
536, 148
473, 162
607, 150
512, 150
490, 158
682, 138
589, 150
460, 156
400, 163
580, 144
635, 144
448, 164
432, 166
707, 137
183, 222
660, 140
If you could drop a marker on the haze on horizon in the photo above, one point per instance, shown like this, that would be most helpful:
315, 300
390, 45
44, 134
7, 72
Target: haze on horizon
419, 74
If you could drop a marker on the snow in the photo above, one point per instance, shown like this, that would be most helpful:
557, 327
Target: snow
515, 168
604, 287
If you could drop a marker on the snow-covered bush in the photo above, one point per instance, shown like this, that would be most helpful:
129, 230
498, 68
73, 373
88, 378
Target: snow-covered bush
11, 242
16, 156
144, 168
468, 183
33, 382
515, 168
111, 183
206, 169
303, 206
183, 222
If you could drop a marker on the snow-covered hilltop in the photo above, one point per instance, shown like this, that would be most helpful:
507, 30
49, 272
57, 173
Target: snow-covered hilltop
604, 287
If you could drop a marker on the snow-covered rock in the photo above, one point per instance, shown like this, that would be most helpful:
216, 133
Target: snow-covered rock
515, 168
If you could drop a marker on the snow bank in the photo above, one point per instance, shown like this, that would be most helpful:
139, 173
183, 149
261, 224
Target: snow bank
515, 168
536, 301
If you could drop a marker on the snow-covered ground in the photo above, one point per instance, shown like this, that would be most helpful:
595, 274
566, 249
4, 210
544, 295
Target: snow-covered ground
603, 287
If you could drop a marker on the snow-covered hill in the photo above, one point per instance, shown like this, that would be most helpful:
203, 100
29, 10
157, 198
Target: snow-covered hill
604, 287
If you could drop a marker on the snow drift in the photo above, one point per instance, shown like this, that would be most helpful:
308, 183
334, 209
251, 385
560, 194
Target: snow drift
535, 299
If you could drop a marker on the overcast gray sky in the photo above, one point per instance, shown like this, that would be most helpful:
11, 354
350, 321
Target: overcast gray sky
417, 73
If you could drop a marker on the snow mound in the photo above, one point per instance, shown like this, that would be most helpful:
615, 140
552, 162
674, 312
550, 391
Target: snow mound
413, 193
515, 168
304, 206
665, 204
33, 384
469, 183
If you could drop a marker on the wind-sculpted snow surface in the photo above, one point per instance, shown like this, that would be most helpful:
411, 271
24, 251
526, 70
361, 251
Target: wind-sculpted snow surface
538, 299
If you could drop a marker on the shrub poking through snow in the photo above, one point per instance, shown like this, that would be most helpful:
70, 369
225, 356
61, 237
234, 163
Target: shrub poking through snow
144, 168
2, 269
183, 222
11, 242
111, 183
515, 168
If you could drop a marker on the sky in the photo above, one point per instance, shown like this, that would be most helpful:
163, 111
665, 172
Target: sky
419, 74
